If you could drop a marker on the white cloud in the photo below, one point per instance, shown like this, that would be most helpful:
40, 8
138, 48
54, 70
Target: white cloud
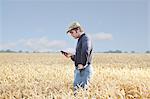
43, 43
102, 36
7, 45
37, 44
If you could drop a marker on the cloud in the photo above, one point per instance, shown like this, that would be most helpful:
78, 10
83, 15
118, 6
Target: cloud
43, 43
7, 45
102, 36
36, 44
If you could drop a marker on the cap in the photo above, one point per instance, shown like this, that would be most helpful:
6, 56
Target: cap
73, 26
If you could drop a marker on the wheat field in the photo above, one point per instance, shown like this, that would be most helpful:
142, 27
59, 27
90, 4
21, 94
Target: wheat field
50, 76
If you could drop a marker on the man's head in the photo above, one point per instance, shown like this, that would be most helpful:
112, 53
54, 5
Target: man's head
75, 30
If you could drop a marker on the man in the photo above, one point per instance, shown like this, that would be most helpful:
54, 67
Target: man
82, 58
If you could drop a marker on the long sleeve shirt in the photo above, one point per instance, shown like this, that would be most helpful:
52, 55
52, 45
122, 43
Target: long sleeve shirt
84, 49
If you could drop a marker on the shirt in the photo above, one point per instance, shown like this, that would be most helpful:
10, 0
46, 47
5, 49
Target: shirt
84, 49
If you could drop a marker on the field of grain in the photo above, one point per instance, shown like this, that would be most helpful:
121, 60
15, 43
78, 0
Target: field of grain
50, 76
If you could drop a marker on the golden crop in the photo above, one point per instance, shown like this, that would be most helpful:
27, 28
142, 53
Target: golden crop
50, 76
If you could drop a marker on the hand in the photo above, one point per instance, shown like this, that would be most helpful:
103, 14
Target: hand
80, 66
68, 55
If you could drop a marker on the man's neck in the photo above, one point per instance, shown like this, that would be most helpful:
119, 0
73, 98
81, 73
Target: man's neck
81, 34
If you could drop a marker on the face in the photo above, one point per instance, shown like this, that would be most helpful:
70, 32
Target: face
74, 33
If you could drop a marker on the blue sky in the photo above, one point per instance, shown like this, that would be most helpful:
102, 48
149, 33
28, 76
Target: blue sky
41, 24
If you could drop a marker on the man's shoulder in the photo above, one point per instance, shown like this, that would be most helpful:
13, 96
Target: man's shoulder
86, 37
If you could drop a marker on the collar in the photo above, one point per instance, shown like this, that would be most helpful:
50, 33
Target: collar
82, 34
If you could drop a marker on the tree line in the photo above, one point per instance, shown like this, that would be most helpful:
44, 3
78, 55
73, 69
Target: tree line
110, 51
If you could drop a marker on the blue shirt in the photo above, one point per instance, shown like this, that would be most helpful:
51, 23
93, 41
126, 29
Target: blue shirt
84, 49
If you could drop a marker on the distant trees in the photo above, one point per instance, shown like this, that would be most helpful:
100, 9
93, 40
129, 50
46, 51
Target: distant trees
132, 51
10, 51
119, 51
20, 51
147, 52
116, 51
7, 51
110, 51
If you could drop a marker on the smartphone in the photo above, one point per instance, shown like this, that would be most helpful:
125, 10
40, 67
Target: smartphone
63, 52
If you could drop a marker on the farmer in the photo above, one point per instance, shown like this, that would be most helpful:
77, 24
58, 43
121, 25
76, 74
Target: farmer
82, 58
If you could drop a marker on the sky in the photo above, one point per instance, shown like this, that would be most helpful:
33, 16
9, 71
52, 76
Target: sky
40, 25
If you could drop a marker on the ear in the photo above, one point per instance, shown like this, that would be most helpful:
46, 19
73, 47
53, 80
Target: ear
77, 29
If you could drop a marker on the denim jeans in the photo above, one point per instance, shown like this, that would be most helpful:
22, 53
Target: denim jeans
82, 77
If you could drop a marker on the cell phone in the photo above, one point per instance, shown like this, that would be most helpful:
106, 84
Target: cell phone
63, 52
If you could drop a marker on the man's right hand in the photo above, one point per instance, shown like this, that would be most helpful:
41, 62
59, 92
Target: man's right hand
69, 55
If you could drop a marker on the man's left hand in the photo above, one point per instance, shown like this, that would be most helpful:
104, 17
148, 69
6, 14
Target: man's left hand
80, 66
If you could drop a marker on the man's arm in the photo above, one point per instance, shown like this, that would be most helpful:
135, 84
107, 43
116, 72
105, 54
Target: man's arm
72, 57
85, 50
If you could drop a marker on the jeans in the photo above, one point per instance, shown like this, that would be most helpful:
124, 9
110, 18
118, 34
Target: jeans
82, 77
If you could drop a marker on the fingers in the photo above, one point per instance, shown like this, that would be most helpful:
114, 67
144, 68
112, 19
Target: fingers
66, 54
